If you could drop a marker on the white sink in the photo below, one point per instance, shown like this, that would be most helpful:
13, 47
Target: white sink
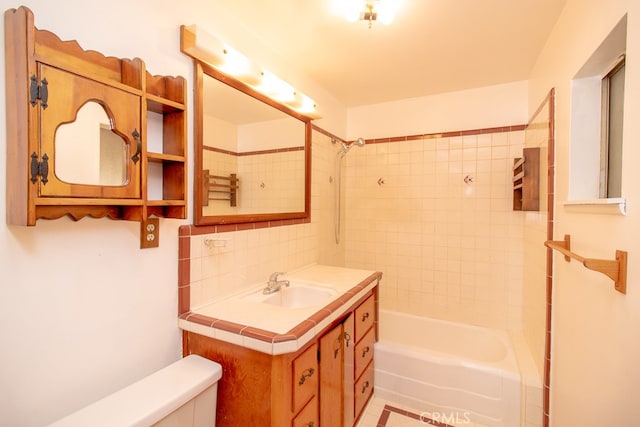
296, 295
300, 296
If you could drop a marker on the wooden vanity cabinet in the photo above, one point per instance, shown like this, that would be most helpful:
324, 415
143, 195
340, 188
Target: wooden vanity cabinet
259, 389
325, 383
48, 84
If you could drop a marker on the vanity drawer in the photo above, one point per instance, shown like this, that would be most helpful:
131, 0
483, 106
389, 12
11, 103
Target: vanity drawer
305, 377
364, 388
308, 417
364, 352
365, 317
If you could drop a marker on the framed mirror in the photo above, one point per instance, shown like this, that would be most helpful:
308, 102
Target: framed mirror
252, 154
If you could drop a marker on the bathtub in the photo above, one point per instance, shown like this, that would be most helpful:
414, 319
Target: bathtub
458, 373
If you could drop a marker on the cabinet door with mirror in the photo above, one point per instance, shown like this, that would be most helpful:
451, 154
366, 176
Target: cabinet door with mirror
92, 148
252, 155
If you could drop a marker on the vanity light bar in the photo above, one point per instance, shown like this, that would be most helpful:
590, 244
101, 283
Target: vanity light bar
203, 46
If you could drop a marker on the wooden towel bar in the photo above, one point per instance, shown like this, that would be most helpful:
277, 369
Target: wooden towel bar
217, 187
614, 269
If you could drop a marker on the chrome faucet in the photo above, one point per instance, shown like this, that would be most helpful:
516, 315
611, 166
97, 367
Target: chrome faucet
274, 285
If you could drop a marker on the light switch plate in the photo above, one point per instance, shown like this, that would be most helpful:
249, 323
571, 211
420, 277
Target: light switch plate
150, 233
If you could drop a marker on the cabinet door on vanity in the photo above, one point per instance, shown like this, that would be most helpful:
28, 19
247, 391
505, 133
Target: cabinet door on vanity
336, 375
331, 374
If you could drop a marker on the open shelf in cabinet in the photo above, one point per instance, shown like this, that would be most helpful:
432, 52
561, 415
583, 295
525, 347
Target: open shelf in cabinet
166, 160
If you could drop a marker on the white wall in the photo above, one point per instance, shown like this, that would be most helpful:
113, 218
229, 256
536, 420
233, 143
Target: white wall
83, 311
500, 105
595, 347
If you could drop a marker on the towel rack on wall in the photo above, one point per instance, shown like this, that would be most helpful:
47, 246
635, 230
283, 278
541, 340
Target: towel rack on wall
217, 187
614, 269
526, 180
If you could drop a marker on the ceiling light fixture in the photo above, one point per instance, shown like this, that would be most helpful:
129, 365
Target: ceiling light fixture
367, 10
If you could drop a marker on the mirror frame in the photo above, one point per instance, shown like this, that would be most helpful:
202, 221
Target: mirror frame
201, 68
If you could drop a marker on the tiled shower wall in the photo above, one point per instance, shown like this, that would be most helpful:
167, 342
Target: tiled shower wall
435, 215
270, 181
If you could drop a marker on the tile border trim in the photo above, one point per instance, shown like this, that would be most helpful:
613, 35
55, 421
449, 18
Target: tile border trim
388, 409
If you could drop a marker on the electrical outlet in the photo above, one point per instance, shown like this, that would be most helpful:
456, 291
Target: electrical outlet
150, 233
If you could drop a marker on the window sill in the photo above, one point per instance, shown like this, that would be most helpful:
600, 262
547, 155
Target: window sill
614, 206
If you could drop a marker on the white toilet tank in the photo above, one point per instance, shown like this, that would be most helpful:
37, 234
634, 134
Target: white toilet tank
180, 395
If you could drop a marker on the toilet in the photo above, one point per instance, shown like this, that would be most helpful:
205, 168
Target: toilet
184, 394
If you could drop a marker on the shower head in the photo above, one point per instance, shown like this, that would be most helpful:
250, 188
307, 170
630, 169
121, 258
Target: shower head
358, 142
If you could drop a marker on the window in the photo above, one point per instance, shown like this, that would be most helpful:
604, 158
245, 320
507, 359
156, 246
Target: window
597, 98
611, 143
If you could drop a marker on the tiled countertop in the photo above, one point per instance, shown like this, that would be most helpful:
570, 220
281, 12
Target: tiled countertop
277, 330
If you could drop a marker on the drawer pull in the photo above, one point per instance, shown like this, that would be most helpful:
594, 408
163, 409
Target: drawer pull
365, 351
365, 386
305, 374
365, 316
311, 424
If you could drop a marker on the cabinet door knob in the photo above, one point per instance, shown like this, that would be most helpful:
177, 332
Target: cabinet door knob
365, 386
305, 374
365, 316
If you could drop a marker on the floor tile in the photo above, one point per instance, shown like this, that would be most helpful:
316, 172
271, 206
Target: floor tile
381, 413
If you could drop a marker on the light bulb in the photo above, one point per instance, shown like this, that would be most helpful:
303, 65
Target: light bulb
386, 11
276, 88
237, 65
350, 9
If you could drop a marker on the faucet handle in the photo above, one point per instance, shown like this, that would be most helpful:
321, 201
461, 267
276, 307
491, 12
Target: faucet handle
274, 276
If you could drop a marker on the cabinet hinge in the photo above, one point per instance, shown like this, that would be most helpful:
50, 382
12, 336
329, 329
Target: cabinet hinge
39, 168
38, 91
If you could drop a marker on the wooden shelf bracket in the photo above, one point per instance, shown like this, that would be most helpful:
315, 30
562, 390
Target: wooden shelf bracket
616, 269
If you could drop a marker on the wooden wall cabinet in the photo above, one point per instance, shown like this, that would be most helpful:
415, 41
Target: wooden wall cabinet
49, 83
326, 383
